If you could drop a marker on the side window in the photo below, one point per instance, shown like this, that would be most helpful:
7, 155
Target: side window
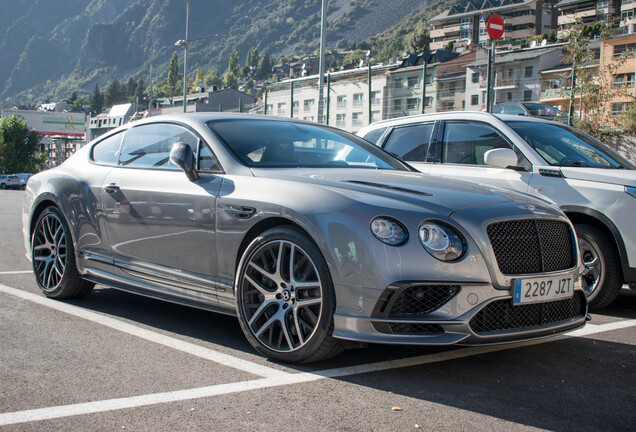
411, 142
374, 135
207, 159
514, 110
148, 146
106, 151
466, 143
497, 109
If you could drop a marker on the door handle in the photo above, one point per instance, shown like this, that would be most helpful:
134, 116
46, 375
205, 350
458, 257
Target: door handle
111, 188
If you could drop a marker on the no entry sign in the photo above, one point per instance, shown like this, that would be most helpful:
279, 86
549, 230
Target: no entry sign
495, 26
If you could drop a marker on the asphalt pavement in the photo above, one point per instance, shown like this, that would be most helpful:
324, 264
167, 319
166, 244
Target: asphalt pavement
116, 361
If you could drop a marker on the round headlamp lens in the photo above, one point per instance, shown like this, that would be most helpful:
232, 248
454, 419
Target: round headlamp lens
442, 241
389, 231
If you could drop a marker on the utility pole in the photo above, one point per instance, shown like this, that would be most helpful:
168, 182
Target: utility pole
321, 60
185, 60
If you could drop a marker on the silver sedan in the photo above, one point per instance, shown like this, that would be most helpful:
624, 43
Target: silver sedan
310, 235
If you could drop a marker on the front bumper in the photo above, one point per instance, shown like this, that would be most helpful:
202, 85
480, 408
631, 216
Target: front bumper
473, 314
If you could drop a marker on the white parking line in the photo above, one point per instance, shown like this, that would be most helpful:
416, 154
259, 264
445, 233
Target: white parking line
281, 380
190, 348
273, 378
15, 272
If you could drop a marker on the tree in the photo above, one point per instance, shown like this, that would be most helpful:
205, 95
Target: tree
233, 64
231, 80
96, 100
213, 79
173, 74
18, 147
265, 67
199, 80
420, 41
252, 58
116, 93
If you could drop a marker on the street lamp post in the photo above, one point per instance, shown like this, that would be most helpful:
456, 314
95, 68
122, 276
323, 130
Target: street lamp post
185, 44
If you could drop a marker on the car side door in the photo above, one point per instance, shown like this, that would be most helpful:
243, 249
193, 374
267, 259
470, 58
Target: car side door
160, 225
461, 149
413, 144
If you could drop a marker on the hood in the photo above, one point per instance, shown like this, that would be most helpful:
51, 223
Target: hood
433, 193
623, 177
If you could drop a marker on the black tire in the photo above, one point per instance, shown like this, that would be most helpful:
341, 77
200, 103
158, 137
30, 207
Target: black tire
53, 258
289, 319
603, 275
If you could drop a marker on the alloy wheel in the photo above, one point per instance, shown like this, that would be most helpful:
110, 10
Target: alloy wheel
49, 251
282, 296
593, 270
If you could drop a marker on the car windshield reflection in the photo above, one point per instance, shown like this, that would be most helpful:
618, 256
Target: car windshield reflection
276, 144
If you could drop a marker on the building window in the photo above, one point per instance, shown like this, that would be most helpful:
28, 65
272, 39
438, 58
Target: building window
269, 108
474, 100
527, 95
282, 108
622, 80
618, 108
412, 103
397, 104
341, 101
375, 98
602, 4
295, 106
356, 119
475, 77
624, 50
428, 101
375, 116
397, 83
308, 105
411, 82
528, 72
308, 118
509, 96
340, 120
358, 99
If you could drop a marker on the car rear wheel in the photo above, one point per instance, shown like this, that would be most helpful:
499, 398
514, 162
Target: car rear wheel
53, 258
285, 298
601, 279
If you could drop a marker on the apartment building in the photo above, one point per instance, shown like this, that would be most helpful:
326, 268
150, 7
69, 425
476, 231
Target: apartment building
451, 83
465, 24
587, 11
516, 77
350, 100
620, 52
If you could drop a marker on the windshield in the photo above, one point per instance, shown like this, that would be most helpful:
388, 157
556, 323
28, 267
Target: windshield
286, 144
542, 110
561, 145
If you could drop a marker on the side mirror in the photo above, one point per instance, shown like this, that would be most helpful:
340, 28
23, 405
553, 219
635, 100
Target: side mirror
500, 157
181, 155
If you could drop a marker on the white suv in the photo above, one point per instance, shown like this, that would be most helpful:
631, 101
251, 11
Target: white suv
592, 184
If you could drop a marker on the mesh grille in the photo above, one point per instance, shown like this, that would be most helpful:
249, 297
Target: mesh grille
532, 246
413, 300
503, 315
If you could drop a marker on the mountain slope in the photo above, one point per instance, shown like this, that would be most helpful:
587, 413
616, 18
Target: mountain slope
54, 47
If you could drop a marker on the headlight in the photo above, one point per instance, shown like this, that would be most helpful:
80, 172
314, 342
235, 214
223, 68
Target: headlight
442, 241
631, 190
389, 231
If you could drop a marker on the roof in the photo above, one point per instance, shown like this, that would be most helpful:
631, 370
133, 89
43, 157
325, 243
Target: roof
514, 56
563, 3
120, 110
472, 7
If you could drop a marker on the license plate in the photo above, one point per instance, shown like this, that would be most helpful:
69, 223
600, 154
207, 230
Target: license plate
538, 290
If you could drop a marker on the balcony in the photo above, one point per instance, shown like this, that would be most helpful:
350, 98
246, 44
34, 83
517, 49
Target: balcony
519, 34
554, 94
446, 94
524, 19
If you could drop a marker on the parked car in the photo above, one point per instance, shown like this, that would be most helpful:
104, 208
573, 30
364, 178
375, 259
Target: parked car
11, 182
593, 185
310, 235
529, 109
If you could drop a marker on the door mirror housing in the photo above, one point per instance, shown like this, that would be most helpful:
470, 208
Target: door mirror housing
181, 155
501, 158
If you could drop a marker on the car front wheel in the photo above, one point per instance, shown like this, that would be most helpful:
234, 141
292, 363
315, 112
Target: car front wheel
601, 278
53, 258
285, 298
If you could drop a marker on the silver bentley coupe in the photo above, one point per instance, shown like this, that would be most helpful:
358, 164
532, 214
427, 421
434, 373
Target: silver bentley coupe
311, 236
